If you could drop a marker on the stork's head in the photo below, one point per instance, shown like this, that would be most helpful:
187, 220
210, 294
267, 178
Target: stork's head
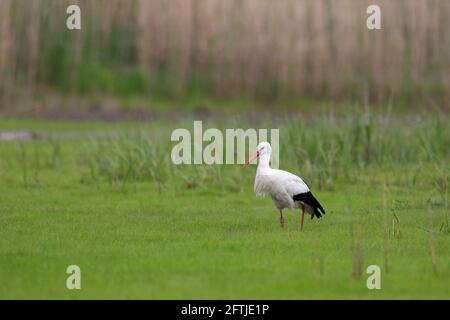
263, 150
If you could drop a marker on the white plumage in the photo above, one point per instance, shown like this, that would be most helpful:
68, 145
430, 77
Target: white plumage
287, 190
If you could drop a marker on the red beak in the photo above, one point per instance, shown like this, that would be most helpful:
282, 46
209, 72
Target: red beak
252, 158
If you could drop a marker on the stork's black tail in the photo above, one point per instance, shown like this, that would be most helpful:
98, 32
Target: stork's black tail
310, 200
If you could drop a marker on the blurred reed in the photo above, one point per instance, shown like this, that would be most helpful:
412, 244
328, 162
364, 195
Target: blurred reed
258, 48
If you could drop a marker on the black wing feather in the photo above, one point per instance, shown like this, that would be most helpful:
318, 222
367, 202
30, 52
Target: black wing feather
310, 200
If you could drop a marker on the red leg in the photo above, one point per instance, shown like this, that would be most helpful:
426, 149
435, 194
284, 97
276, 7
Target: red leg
303, 216
281, 219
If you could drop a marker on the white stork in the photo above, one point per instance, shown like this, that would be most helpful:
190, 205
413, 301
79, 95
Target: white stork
286, 189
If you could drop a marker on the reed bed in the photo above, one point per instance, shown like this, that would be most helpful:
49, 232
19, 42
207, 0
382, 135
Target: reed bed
258, 48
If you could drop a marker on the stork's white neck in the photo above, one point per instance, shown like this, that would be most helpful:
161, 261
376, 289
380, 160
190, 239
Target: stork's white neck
264, 160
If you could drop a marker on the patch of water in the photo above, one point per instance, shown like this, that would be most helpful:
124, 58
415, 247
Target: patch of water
18, 135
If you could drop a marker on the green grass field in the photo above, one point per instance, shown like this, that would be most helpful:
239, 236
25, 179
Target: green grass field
141, 228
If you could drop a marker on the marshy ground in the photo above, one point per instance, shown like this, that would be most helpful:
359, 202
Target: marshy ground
105, 197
